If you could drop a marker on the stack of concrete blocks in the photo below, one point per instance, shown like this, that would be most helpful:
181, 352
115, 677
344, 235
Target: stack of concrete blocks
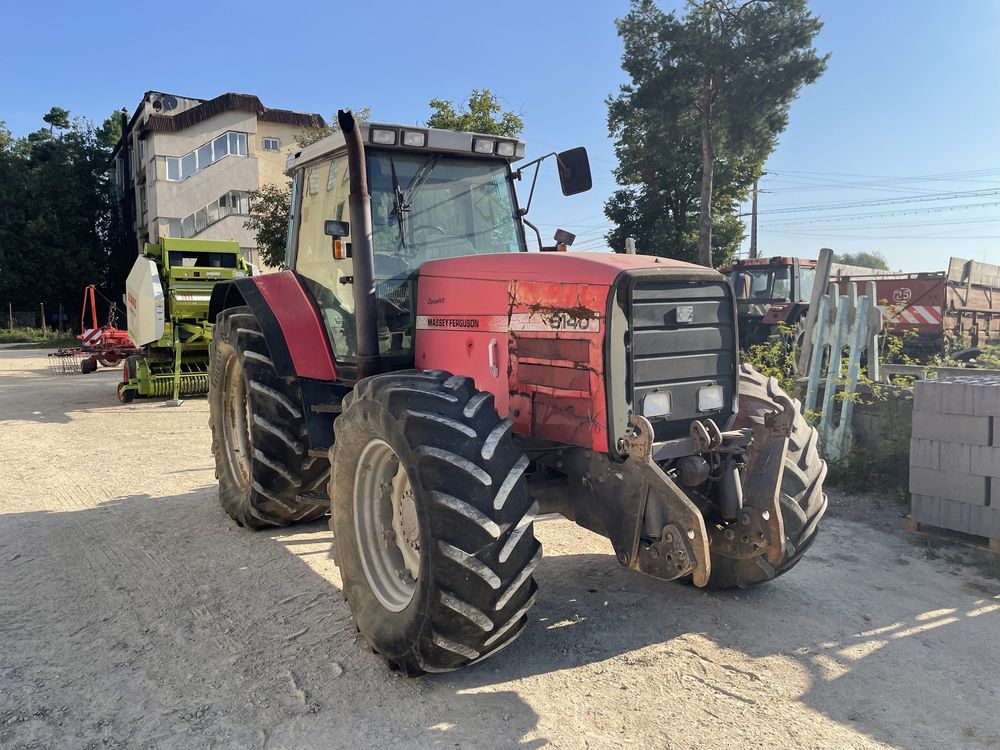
955, 455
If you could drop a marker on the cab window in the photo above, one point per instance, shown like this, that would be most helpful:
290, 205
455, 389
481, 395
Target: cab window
325, 189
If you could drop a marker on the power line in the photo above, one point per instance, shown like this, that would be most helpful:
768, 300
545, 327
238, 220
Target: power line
859, 217
882, 202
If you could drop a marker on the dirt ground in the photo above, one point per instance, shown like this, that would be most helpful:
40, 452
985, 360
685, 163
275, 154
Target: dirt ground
135, 614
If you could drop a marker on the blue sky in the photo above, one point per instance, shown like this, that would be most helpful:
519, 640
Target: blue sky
907, 110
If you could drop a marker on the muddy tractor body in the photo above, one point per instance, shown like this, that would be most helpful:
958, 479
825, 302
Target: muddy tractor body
167, 295
434, 385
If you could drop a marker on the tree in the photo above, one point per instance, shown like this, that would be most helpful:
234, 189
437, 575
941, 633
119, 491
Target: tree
716, 84
110, 131
482, 113
270, 208
57, 117
864, 259
55, 199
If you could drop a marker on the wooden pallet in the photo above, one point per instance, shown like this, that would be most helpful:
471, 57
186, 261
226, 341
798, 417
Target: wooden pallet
957, 537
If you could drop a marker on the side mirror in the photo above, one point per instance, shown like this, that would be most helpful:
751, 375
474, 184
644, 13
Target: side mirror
574, 171
336, 228
562, 237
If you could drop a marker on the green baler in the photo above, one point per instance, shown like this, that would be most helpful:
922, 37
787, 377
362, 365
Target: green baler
167, 294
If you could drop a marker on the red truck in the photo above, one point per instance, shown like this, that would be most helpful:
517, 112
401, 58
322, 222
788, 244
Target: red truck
947, 311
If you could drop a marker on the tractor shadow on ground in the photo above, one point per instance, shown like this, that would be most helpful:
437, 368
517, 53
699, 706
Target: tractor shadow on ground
165, 624
249, 629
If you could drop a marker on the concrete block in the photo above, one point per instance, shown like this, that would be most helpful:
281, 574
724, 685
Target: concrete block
924, 397
952, 428
955, 515
950, 485
924, 509
986, 399
995, 494
954, 397
956, 457
984, 521
985, 461
926, 454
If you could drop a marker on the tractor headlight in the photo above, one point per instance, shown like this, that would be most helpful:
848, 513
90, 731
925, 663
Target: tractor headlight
505, 148
710, 398
656, 404
414, 138
483, 145
383, 137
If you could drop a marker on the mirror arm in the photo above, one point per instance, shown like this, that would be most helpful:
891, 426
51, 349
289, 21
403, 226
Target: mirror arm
517, 175
538, 234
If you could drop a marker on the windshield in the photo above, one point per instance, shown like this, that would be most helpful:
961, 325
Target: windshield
763, 283
427, 206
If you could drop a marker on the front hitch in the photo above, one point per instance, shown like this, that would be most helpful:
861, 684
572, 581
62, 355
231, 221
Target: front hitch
683, 545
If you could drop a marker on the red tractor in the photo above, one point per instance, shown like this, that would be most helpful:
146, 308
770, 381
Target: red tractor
434, 385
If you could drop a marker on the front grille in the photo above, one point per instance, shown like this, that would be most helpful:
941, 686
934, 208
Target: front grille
682, 356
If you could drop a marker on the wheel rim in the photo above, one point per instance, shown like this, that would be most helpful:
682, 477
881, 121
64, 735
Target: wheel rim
236, 422
386, 526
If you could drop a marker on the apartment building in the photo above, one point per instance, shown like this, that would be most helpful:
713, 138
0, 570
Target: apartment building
184, 166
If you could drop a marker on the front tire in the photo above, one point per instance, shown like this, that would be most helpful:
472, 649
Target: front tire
432, 521
802, 500
266, 475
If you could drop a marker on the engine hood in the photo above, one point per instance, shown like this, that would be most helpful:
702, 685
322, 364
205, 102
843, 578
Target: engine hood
568, 268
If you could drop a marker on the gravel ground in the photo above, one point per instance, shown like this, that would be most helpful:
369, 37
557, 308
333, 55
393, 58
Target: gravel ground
136, 614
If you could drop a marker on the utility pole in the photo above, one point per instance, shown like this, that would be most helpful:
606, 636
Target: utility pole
753, 219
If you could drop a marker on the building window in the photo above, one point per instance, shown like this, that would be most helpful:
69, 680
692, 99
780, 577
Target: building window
179, 168
271, 144
142, 199
189, 165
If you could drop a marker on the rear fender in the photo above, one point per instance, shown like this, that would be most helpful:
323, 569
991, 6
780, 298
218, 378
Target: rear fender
296, 340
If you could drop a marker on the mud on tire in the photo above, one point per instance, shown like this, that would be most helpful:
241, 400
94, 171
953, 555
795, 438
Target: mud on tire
258, 430
477, 549
803, 502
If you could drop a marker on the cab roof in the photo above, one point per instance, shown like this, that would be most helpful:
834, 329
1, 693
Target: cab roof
436, 139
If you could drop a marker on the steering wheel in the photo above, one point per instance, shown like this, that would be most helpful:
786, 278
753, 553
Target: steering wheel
435, 227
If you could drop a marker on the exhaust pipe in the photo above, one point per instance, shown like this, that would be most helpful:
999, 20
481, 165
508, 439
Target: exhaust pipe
359, 204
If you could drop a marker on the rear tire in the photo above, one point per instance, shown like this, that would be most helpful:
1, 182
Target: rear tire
802, 500
258, 430
469, 535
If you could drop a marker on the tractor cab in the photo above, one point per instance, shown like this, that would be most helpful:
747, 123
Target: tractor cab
770, 292
433, 194
773, 280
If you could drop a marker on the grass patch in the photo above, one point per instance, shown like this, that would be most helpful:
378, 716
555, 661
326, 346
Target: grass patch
33, 338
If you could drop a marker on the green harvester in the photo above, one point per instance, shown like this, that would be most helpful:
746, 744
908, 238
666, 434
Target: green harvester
167, 294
